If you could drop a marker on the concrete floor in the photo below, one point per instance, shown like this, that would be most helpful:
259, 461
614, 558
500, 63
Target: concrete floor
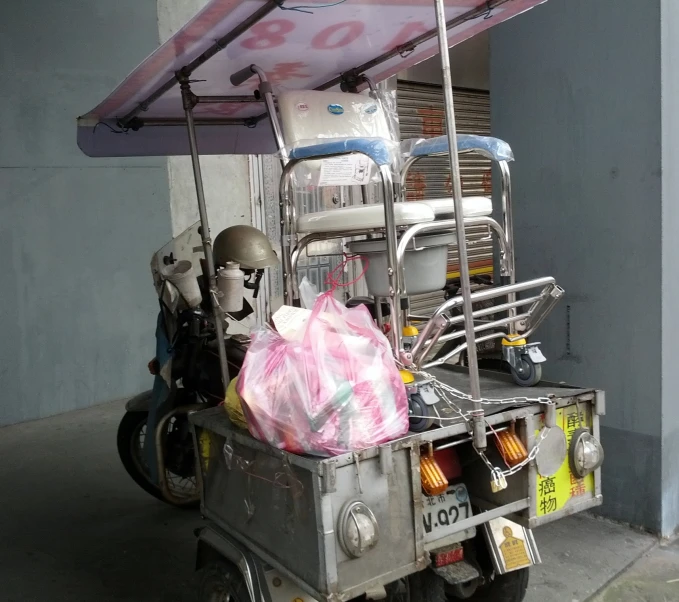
75, 528
653, 578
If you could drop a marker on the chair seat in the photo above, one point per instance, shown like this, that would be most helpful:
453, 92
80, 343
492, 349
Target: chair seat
362, 217
473, 206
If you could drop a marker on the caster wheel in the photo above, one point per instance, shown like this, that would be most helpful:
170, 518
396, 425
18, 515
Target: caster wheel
530, 373
421, 415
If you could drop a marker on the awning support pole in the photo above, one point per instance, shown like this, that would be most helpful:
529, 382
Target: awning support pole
189, 101
478, 424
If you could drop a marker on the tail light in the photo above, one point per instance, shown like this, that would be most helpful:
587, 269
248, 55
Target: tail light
510, 446
448, 461
154, 367
434, 482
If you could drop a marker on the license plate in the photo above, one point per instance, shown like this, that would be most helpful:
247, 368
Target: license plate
442, 512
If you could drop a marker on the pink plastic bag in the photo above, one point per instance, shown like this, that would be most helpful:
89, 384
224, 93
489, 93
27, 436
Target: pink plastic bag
336, 390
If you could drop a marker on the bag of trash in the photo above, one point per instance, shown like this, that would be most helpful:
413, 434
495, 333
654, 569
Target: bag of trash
324, 383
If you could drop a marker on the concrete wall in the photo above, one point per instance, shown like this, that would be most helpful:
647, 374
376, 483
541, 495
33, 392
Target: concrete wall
77, 305
226, 178
670, 264
576, 91
469, 65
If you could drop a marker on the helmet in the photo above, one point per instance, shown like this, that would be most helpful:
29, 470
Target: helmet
246, 246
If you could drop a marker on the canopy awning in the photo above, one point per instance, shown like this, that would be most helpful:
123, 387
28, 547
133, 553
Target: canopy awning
305, 44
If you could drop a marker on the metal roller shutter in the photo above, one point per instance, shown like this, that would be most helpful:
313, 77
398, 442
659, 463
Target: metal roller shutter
421, 115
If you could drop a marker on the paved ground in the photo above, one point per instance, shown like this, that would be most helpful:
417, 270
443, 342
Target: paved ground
580, 555
75, 528
654, 578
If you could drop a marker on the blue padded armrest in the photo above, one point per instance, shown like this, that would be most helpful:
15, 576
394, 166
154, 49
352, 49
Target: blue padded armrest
376, 149
492, 148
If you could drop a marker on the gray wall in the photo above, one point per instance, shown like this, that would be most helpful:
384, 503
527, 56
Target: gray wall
469, 65
77, 305
576, 90
670, 264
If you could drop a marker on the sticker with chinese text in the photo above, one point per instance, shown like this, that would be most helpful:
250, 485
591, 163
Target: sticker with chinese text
510, 540
553, 493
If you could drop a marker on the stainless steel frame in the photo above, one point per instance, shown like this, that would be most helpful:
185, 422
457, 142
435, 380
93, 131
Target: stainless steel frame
507, 261
291, 250
539, 306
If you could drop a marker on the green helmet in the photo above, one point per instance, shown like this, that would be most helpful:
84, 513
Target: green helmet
246, 246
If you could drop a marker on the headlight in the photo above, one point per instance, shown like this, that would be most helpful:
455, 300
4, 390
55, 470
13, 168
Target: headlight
357, 529
585, 454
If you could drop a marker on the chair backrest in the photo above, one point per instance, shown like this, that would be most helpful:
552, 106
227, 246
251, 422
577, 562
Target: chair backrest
307, 115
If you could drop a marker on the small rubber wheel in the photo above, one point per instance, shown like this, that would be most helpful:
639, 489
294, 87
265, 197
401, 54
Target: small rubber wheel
222, 582
421, 415
530, 375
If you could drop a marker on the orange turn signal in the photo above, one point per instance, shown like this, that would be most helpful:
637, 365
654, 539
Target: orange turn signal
434, 482
511, 447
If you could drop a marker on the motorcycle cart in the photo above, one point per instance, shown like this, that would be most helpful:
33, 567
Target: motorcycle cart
445, 511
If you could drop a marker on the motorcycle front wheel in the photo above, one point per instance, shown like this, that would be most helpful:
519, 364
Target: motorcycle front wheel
179, 464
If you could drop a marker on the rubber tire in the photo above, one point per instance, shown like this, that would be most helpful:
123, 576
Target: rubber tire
531, 377
427, 586
221, 577
510, 587
128, 428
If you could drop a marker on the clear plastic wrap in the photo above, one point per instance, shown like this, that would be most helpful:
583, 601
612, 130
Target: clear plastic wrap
333, 390
491, 148
316, 123
308, 293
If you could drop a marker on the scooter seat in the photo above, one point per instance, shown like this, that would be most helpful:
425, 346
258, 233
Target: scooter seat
363, 217
473, 206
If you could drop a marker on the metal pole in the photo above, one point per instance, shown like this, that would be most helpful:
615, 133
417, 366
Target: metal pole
479, 428
189, 101
508, 225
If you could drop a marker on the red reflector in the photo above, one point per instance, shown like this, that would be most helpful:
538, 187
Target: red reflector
449, 462
449, 556
153, 366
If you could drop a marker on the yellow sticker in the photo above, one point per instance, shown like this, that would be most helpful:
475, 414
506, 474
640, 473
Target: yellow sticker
554, 492
513, 551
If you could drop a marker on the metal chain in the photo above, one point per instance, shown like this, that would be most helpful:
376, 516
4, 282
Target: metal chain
437, 384
498, 475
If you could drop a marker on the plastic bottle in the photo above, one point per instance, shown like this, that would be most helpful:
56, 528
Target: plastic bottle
231, 285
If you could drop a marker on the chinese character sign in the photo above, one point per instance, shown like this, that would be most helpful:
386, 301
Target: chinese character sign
553, 493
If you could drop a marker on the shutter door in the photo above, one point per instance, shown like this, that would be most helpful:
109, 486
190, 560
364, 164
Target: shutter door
422, 115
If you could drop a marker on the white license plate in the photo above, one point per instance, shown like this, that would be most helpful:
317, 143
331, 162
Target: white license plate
442, 512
